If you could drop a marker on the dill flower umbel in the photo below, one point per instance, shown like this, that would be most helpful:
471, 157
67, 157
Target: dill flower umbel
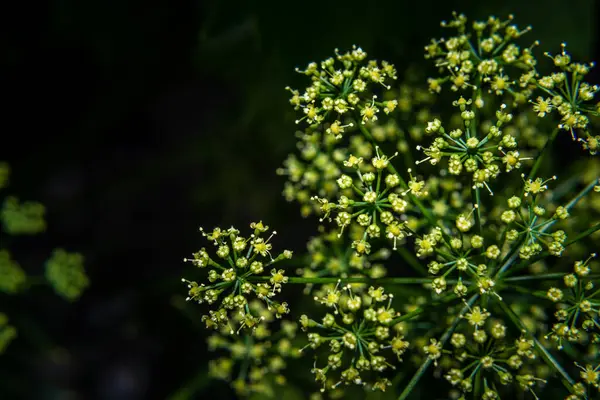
341, 86
240, 271
254, 362
578, 306
360, 338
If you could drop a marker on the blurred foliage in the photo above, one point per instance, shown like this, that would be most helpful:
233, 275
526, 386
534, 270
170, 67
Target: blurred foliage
64, 270
65, 273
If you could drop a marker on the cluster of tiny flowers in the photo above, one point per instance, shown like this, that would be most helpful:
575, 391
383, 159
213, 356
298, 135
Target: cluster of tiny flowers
578, 307
527, 221
485, 56
379, 202
567, 94
361, 337
254, 363
589, 385
322, 150
469, 259
486, 349
483, 158
234, 277
7, 332
343, 85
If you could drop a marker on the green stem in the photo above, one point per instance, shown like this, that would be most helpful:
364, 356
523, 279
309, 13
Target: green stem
551, 361
580, 195
364, 130
539, 293
408, 316
421, 310
333, 279
554, 275
477, 205
445, 336
412, 260
538, 160
246, 363
584, 234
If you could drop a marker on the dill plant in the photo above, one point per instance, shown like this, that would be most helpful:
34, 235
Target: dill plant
453, 246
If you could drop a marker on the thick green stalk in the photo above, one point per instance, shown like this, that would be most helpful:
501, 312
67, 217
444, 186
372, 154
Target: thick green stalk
382, 281
553, 275
445, 336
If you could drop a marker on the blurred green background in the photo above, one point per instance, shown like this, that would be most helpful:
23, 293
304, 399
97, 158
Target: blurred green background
137, 122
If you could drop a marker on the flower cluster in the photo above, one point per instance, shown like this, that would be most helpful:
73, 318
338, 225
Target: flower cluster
578, 306
237, 275
254, 363
589, 385
483, 54
527, 221
360, 334
487, 350
567, 94
487, 56
323, 150
482, 157
341, 86
468, 241
378, 205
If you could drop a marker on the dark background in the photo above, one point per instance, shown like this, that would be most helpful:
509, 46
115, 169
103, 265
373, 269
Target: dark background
137, 122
